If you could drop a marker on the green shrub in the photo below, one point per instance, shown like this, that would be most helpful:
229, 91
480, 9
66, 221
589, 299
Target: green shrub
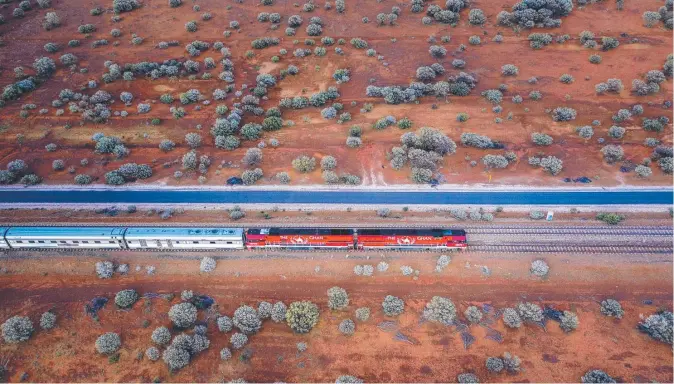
304, 164
610, 218
302, 316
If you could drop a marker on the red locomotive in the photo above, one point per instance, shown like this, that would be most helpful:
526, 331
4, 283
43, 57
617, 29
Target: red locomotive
410, 238
332, 238
299, 238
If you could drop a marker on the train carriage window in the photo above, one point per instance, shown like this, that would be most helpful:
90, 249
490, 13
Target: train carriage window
97, 242
75, 242
19, 241
212, 242
229, 242
195, 242
62, 241
85, 242
53, 241
31, 241
40, 241
111, 242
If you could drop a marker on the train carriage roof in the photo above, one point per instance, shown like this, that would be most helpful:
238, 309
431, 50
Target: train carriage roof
25, 232
301, 231
435, 232
183, 232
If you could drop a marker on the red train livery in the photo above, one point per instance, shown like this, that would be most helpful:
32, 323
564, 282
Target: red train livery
306, 238
410, 238
333, 238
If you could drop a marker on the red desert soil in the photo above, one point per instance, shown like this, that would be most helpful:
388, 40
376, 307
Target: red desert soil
576, 282
312, 135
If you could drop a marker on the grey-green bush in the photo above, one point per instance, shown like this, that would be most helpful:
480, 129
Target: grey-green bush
108, 343
473, 314
612, 153
393, 306
183, 315
596, 376
494, 364
530, 311
278, 312
17, 329
541, 139
247, 320
568, 321
509, 70
441, 310
176, 358
152, 353
362, 314
337, 298
347, 327
539, 268
511, 318
161, 336
126, 298
47, 320
658, 326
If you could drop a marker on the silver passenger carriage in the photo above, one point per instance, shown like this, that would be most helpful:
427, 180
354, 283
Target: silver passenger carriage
66, 237
184, 238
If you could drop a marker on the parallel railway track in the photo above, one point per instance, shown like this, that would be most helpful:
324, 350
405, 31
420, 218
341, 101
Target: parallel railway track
559, 239
470, 228
534, 248
505, 248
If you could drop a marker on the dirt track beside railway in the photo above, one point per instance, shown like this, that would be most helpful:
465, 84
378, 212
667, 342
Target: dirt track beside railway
36, 283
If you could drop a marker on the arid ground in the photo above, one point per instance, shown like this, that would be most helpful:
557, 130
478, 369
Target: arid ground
402, 47
434, 353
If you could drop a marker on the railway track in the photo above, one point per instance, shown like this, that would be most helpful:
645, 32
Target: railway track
532, 248
470, 228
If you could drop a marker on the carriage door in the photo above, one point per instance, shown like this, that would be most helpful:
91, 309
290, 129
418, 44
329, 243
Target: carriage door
170, 243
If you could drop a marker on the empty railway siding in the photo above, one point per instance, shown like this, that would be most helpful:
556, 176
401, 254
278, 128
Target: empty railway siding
502, 238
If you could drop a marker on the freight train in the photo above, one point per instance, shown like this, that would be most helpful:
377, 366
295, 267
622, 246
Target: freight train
216, 238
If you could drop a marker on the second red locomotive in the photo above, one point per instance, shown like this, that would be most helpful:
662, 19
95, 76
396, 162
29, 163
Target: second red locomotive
333, 238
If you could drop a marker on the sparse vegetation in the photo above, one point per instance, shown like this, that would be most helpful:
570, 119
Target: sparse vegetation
337, 298
441, 310
658, 326
302, 316
596, 376
108, 343
17, 329
610, 218
539, 268
568, 321
393, 306
511, 318
247, 320
183, 315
